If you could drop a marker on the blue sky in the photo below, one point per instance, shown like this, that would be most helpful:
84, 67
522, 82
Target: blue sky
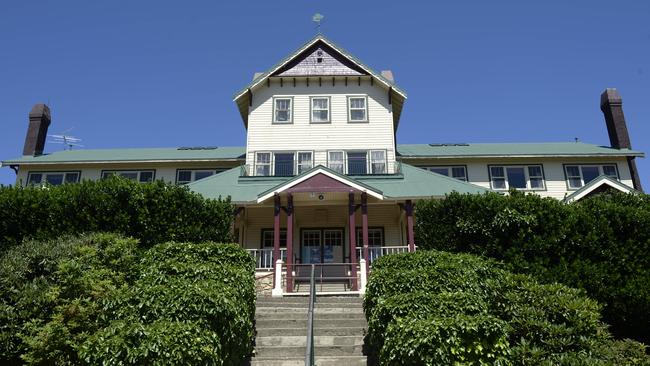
162, 73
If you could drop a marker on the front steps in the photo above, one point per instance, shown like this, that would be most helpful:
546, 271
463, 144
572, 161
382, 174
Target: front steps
281, 325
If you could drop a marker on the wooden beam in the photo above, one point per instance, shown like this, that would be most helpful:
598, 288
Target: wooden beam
359, 80
390, 95
250, 97
333, 80
268, 82
346, 81
281, 82
307, 81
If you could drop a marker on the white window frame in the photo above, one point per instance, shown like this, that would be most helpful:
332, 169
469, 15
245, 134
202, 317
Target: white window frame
371, 161
43, 180
290, 110
257, 164
601, 171
108, 173
313, 109
193, 173
374, 230
342, 162
526, 174
302, 167
347, 160
365, 108
450, 171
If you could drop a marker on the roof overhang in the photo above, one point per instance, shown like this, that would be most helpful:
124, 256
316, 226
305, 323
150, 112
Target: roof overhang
294, 185
596, 185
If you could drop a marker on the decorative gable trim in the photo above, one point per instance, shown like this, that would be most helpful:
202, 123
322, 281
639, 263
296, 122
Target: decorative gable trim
600, 183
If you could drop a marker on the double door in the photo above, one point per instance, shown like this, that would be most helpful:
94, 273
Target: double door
323, 246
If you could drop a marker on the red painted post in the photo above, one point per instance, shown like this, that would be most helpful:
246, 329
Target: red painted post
409, 223
364, 228
289, 243
353, 245
276, 231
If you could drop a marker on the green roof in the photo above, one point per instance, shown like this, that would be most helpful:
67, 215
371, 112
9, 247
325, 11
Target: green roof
511, 150
595, 183
411, 183
132, 155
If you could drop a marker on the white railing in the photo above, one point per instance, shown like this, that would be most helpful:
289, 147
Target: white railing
264, 257
376, 252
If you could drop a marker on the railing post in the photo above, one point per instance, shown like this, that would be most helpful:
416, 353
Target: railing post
277, 286
364, 274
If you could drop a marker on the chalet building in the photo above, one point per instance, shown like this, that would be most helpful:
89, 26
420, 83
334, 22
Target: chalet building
321, 178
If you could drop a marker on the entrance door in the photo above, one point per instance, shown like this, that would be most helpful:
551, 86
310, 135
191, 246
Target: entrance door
311, 246
323, 246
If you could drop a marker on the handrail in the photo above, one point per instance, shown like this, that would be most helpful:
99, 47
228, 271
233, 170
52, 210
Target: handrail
309, 353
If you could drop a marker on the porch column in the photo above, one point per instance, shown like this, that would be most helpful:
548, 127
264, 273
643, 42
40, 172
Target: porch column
353, 245
289, 242
276, 231
364, 228
409, 223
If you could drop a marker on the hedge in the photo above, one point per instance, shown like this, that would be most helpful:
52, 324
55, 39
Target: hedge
433, 307
599, 244
104, 299
152, 213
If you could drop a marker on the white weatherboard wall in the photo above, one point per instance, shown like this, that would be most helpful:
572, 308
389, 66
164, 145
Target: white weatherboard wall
339, 134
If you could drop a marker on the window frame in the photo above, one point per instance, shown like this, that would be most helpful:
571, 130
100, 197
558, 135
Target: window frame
263, 231
43, 180
582, 180
347, 161
343, 160
139, 171
311, 110
296, 160
359, 236
526, 174
370, 161
349, 107
449, 170
274, 161
274, 109
269, 164
193, 171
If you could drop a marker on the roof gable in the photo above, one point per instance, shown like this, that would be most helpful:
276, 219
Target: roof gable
320, 60
598, 185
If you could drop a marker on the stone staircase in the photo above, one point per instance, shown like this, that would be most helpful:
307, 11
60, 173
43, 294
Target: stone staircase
281, 325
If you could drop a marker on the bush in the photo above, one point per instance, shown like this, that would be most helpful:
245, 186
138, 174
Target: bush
599, 244
433, 307
153, 213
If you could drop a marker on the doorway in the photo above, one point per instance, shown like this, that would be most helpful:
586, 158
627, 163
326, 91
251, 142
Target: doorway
323, 246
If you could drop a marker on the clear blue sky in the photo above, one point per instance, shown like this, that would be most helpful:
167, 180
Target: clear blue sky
162, 73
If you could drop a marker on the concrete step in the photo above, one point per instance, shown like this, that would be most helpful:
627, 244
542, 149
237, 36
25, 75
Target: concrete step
318, 310
318, 331
298, 351
303, 316
302, 323
319, 299
320, 361
301, 341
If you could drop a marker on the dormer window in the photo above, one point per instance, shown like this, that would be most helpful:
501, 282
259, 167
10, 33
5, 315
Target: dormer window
320, 109
357, 109
282, 108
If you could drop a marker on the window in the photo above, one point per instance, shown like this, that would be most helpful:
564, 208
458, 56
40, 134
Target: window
579, 175
184, 176
458, 172
53, 178
357, 163
378, 161
336, 161
375, 237
304, 161
282, 110
518, 177
320, 109
358, 110
263, 164
267, 238
283, 165
142, 176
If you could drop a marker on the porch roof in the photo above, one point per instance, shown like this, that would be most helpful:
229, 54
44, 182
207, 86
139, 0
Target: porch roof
597, 184
412, 183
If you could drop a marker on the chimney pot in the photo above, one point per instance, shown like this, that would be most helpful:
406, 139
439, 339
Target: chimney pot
39, 122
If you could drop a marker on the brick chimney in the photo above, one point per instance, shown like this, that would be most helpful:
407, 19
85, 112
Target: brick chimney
39, 121
611, 104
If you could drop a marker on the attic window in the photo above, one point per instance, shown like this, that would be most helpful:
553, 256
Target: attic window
319, 57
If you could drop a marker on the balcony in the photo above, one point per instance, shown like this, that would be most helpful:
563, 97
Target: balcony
286, 166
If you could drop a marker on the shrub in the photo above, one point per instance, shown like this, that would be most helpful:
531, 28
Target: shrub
153, 213
599, 244
479, 313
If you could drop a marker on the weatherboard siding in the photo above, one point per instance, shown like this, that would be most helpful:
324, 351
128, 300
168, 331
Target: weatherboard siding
339, 134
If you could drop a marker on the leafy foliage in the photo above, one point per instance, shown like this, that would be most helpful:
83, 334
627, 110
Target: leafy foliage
433, 307
101, 299
153, 212
599, 244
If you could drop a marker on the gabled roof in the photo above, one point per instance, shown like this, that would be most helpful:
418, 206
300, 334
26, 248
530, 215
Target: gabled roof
555, 149
397, 94
133, 155
596, 185
412, 183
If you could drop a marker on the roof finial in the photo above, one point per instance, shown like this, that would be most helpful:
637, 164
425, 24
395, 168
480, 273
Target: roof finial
317, 18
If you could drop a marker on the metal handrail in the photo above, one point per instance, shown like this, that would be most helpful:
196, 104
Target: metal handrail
309, 354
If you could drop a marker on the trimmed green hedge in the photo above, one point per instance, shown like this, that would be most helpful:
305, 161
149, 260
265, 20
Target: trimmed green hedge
153, 212
433, 307
599, 244
101, 299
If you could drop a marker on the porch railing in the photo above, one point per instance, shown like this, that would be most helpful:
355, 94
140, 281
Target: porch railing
376, 252
264, 258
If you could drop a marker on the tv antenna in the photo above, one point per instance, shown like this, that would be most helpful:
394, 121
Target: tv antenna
65, 139
317, 18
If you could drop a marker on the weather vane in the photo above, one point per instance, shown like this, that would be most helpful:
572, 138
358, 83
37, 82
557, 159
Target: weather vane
317, 18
